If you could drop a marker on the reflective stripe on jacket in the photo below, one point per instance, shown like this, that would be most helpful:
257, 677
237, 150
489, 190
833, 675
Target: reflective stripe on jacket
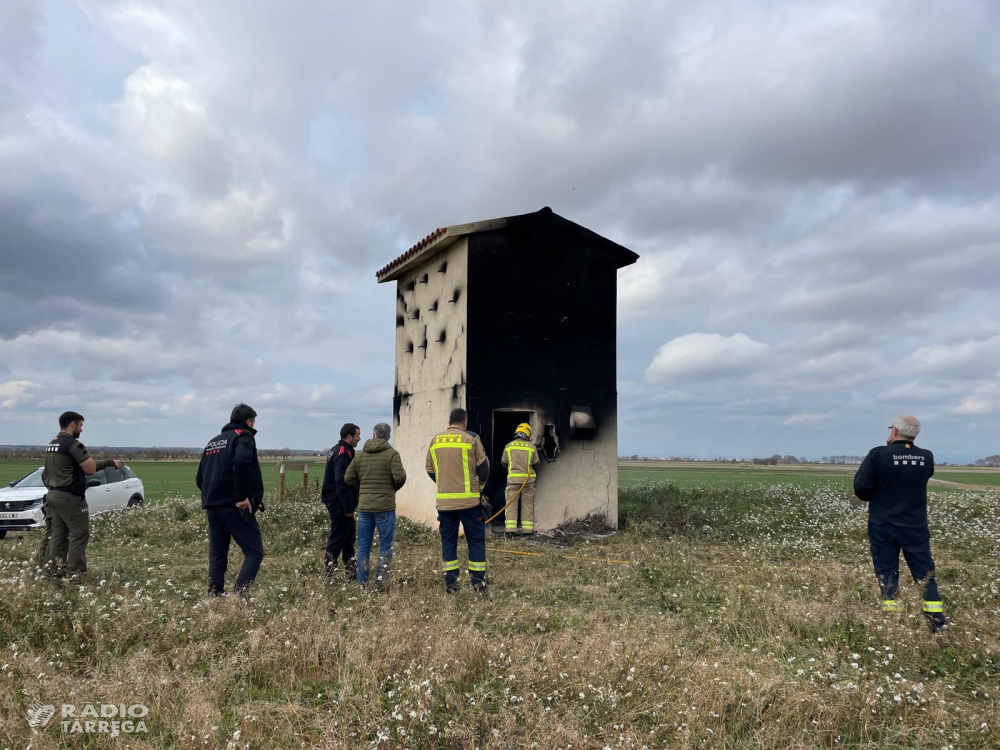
520, 457
454, 457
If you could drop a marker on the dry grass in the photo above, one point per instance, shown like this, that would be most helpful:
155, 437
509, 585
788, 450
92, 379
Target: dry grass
747, 619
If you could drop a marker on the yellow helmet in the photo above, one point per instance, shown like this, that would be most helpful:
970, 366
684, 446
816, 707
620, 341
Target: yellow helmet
523, 429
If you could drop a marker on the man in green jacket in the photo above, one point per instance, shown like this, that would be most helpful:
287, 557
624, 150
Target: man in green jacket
377, 473
67, 526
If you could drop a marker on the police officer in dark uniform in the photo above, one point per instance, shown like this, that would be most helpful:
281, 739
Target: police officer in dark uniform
893, 481
67, 518
341, 500
232, 491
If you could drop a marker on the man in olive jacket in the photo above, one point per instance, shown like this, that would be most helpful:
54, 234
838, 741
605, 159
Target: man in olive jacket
377, 472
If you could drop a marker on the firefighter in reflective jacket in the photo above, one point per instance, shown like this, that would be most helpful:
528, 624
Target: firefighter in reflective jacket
520, 457
456, 461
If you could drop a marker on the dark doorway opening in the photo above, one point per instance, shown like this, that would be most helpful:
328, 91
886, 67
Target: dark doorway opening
504, 424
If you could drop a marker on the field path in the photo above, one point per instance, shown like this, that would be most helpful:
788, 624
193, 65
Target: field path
961, 486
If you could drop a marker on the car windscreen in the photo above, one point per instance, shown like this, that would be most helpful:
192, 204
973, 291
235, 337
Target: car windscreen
34, 479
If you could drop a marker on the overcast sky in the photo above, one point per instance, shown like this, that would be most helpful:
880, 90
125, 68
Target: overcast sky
194, 198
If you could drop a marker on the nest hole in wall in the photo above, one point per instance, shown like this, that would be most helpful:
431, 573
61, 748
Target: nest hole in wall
443, 268
416, 314
433, 307
409, 348
455, 295
399, 321
441, 337
423, 279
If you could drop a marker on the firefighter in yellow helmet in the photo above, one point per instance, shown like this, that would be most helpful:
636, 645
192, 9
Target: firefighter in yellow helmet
520, 457
457, 463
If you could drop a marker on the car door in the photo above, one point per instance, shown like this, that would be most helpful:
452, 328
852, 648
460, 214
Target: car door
132, 483
98, 497
117, 491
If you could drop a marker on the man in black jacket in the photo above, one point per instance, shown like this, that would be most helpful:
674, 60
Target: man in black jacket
232, 491
893, 481
341, 500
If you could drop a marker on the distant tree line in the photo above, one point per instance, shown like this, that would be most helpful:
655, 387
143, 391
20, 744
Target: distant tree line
29, 452
777, 458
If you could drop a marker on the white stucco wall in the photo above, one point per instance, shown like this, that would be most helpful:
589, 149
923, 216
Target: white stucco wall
583, 480
431, 380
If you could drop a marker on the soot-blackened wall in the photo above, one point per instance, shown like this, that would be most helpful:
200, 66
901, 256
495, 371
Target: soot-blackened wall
541, 325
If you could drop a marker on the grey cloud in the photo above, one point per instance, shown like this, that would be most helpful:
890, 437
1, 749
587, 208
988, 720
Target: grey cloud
820, 176
19, 34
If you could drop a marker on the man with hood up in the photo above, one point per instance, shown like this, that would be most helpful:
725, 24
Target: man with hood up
377, 472
232, 491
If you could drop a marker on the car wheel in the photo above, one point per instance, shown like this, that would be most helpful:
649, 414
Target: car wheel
135, 501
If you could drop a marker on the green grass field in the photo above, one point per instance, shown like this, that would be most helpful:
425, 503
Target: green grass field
691, 475
984, 477
699, 475
734, 608
163, 479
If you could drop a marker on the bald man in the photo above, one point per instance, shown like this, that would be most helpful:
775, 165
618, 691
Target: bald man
893, 481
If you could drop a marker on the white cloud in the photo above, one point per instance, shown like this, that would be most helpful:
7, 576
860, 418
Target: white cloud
966, 359
984, 401
706, 356
917, 393
13, 392
807, 419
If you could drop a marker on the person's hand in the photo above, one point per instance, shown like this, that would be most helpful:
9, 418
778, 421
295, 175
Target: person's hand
244, 505
118, 463
349, 515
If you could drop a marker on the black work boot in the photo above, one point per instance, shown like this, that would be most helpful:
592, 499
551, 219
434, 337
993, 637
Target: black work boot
937, 621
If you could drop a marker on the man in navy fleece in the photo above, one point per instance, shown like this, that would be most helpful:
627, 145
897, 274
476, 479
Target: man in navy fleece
893, 481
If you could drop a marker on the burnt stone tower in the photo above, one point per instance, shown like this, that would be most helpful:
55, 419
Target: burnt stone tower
514, 320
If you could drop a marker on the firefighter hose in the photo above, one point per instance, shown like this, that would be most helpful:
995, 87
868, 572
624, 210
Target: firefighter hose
512, 500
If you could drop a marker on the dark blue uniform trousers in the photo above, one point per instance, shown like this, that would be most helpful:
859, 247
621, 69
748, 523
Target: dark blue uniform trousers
340, 543
473, 522
225, 524
886, 541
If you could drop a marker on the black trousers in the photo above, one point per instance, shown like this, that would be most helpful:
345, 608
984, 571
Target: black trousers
340, 544
472, 520
887, 540
225, 525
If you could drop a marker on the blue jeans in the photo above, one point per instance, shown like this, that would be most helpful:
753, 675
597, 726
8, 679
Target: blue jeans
386, 525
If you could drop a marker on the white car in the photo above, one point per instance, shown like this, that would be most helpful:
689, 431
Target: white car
107, 489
